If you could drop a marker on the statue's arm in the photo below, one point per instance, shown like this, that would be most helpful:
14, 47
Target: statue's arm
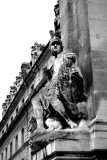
48, 72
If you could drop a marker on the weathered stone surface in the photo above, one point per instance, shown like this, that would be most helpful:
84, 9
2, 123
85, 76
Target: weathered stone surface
99, 1
98, 133
98, 38
78, 143
97, 17
66, 14
99, 60
74, 139
94, 8
100, 80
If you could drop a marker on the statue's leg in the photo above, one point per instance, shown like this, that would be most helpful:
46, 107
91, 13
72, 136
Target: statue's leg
38, 111
58, 106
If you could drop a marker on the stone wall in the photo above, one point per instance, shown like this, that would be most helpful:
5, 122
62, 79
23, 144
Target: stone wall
75, 35
97, 17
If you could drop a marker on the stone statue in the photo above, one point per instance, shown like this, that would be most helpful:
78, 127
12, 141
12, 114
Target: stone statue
32, 124
18, 82
13, 91
36, 50
33, 58
61, 103
4, 107
25, 68
57, 17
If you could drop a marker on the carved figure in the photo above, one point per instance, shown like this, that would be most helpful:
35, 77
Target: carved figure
25, 68
32, 124
71, 88
39, 106
4, 107
36, 50
53, 124
13, 91
57, 17
33, 58
64, 92
52, 94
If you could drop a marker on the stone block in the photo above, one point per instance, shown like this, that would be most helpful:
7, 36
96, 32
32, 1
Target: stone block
66, 146
100, 80
80, 6
99, 60
98, 28
98, 143
98, 44
98, 1
98, 134
94, 8
82, 17
68, 16
100, 104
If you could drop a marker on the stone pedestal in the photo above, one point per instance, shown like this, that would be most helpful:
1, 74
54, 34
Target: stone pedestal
98, 134
62, 145
74, 145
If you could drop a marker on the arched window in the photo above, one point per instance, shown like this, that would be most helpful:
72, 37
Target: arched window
2, 132
7, 126
6, 154
32, 88
11, 119
22, 135
23, 101
2, 156
16, 143
17, 111
11, 145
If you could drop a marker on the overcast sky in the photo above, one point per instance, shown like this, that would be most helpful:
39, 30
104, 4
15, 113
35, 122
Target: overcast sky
22, 22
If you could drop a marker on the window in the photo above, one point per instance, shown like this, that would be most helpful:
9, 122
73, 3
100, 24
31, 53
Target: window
32, 88
16, 111
11, 119
2, 132
6, 154
16, 143
23, 101
22, 134
6, 126
11, 145
2, 156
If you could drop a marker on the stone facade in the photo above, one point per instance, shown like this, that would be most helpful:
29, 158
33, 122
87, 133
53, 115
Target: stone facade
14, 127
26, 132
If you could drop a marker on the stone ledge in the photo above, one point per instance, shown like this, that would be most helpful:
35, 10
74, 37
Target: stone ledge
74, 139
71, 143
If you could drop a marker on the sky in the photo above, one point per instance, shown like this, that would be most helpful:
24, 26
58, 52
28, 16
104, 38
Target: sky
22, 22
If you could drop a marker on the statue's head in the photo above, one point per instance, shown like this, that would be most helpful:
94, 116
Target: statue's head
71, 58
56, 46
51, 33
56, 9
